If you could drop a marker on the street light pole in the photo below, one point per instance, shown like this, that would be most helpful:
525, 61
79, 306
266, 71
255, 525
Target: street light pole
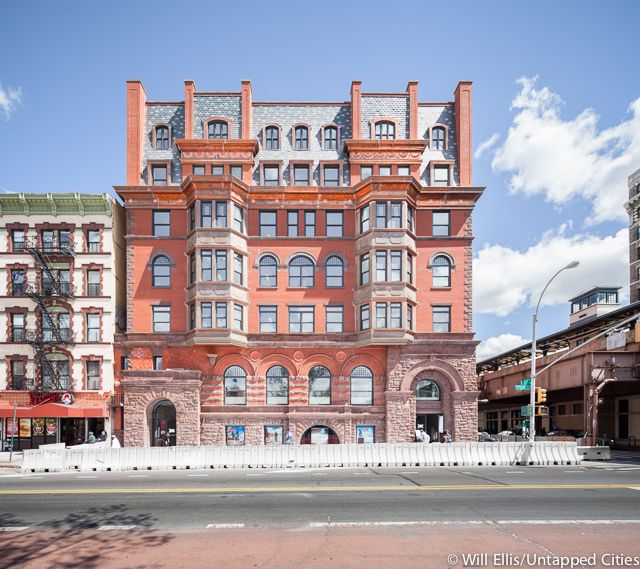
532, 399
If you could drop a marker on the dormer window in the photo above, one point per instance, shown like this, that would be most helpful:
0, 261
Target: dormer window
385, 130
437, 138
301, 138
218, 130
330, 138
162, 137
272, 138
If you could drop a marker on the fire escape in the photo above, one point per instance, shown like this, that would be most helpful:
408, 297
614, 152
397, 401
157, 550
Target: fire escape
50, 251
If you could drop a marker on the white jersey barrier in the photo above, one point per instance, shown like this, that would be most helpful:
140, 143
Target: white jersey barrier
101, 458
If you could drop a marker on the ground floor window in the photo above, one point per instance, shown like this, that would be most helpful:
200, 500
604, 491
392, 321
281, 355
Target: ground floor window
163, 424
365, 434
319, 435
235, 435
273, 435
432, 424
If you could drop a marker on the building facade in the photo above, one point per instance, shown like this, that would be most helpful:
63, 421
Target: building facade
633, 209
297, 269
61, 282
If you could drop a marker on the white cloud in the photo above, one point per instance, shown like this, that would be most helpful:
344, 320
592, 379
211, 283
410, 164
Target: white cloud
486, 145
564, 159
505, 279
10, 98
498, 344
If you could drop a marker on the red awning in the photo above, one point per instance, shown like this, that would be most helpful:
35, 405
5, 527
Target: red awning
79, 410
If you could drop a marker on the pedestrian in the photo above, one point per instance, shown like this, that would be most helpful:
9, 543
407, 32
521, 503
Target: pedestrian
115, 443
425, 437
419, 434
165, 440
91, 438
288, 439
102, 437
447, 437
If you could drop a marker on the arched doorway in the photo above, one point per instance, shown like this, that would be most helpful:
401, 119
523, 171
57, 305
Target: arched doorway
429, 408
163, 424
319, 435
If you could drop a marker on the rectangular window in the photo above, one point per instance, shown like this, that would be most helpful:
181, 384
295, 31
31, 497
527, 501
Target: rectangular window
268, 319
18, 375
93, 327
335, 318
238, 218
403, 171
236, 171
364, 269
441, 223
221, 265
395, 318
206, 265
192, 217
381, 214
365, 317
300, 175
381, 314
271, 175
159, 175
198, 170
309, 223
217, 170
440, 176
234, 435
384, 171
366, 172
206, 315
292, 223
238, 271
410, 269
396, 215
221, 314
301, 319
157, 363
410, 316
238, 316
267, 223
17, 239
161, 223
162, 319
192, 316
381, 266
334, 224
93, 283
17, 327
93, 241
364, 218
93, 375
192, 268
441, 316
124, 363
410, 218
221, 214
17, 282
396, 266
331, 176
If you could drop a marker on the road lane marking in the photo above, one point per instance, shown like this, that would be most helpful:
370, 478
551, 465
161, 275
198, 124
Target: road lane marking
403, 523
633, 487
306, 489
115, 527
138, 476
410, 472
194, 475
14, 528
565, 522
224, 526
514, 472
86, 477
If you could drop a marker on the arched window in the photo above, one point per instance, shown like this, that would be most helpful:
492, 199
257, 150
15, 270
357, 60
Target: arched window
385, 130
277, 386
361, 386
301, 271
334, 268
319, 386
441, 268
268, 270
218, 130
437, 138
161, 271
235, 386
162, 137
330, 138
301, 138
272, 138
427, 390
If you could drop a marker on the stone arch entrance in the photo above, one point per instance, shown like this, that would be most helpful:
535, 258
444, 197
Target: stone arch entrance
319, 434
430, 397
163, 424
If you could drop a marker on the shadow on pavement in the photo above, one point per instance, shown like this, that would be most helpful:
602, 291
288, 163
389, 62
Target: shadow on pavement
74, 542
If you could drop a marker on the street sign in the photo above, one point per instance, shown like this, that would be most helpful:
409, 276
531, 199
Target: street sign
520, 387
525, 411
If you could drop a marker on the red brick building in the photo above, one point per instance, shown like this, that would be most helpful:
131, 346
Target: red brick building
297, 267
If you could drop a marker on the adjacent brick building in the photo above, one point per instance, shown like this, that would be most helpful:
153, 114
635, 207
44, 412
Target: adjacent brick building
297, 267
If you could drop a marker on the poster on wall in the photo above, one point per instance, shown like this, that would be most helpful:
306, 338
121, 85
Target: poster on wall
12, 428
273, 435
319, 436
235, 435
38, 427
365, 435
52, 427
25, 428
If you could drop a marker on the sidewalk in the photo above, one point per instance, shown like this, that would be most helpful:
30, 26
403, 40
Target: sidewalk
15, 463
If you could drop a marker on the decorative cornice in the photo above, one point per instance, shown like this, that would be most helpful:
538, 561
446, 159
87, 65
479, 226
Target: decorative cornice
398, 151
57, 204
239, 150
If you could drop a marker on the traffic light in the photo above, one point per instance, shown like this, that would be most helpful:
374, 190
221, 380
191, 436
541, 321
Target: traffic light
541, 395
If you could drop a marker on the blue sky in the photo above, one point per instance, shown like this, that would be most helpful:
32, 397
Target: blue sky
553, 180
